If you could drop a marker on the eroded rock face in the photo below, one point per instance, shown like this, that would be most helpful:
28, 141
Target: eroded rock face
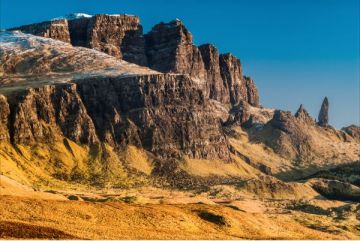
56, 29
214, 82
239, 114
303, 115
169, 48
39, 114
165, 114
334, 189
252, 94
324, 113
120, 36
4, 117
237, 86
117, 35
231, 73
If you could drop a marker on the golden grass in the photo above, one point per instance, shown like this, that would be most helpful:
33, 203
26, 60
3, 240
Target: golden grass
63, 165
138, 159
9, 187
207, 168
258, 152
111, 220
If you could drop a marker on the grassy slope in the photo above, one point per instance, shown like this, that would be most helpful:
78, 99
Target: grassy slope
111, 220
67, 165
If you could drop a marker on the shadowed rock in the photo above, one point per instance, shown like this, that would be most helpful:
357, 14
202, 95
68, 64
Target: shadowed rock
214, 83
323, 119
4, 116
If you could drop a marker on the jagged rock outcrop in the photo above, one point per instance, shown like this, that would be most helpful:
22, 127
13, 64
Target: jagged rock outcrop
38, 115
165, 114
169, 48
237, 86
214, 83
231, 73
289, 136
252, 96
56, 29
117, 35
323, 119
353, 131
303, 115
4, 117
55, 92
239, 114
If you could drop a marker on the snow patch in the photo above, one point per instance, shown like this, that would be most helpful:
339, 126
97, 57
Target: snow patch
16, 41
72, 16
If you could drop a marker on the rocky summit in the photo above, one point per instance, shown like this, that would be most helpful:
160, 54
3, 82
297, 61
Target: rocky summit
96, 111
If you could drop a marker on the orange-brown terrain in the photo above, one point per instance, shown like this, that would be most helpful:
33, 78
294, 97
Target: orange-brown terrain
109, 133
165, 214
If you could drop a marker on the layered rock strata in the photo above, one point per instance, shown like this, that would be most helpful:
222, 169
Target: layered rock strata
164, 114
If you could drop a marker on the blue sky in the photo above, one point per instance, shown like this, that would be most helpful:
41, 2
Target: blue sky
297, 51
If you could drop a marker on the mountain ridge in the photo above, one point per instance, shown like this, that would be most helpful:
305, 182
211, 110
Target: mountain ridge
104, 128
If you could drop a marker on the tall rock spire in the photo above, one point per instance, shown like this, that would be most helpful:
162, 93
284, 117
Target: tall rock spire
324, 113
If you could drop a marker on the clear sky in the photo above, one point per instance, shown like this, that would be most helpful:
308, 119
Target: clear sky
297, 51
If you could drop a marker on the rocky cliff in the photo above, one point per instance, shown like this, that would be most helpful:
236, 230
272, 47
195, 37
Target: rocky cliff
167, 48
117, 35
188, 108
4, 115
166, 114
57, 29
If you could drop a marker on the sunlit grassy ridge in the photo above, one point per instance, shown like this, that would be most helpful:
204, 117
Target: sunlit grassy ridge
65, 164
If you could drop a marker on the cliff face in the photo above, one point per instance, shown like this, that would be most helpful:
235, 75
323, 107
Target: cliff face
214, 83
167, 48
37, 114
117, 35
170, 48
120, 36
57, 29
4, 116
166, 114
